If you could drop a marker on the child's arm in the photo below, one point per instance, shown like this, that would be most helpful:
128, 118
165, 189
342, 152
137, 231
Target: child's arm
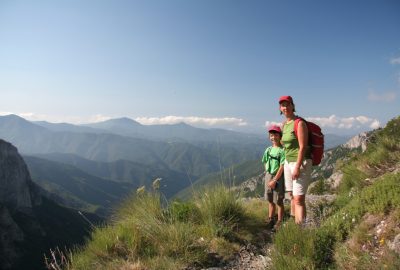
277, 176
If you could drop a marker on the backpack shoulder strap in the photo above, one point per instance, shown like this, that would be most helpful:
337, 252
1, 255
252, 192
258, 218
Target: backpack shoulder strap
296, 124
271, 156
269, 151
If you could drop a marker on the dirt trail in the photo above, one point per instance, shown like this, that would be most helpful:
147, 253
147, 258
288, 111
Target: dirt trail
249, 257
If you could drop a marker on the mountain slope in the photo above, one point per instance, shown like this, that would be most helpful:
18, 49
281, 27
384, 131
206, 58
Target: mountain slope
76, 188
128, 172
66, 127
232, 176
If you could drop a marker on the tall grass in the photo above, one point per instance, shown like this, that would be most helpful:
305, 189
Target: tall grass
145, 234
294, 247
220, 209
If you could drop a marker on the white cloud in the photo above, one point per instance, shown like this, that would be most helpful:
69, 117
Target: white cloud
272, 123
363, 119
385, 97
395, 61
5, 113
27, 115
375, 124
97, 118
193, 120
331, 121
334, 121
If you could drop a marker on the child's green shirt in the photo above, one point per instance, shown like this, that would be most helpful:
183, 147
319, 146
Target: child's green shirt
273, 158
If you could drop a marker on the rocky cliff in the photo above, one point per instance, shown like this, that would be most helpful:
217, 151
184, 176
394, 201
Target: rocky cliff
30, 224
17, 198
15, 183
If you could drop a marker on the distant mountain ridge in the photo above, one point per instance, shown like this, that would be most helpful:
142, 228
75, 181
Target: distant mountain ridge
173, 132
181, 131
194, 159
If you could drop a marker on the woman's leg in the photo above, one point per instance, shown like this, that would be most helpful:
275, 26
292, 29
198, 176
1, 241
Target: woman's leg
300, 186
292, 205
289, 185
300, 208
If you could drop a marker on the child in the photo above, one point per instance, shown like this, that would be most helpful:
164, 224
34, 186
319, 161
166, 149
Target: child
274, 158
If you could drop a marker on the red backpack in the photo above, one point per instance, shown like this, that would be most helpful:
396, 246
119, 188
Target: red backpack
315, 140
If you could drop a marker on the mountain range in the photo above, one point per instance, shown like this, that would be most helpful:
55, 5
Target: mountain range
93, 167
196, 158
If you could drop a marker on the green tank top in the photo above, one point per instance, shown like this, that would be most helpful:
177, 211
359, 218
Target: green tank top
291, 144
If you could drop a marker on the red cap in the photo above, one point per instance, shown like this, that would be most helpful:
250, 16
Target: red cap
285, 98
275, 128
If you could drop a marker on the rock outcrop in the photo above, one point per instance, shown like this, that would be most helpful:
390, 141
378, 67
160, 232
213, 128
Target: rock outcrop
15, 181
357, 141
30, 224
252, 183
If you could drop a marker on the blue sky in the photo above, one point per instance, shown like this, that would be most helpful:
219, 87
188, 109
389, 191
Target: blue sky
208, 63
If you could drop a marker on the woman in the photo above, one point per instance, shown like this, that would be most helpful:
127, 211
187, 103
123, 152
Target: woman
298, 164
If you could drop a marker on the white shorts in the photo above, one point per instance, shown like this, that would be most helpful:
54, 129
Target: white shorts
300, 185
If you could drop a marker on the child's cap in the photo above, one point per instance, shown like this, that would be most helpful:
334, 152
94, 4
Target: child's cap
285, 98
275, 128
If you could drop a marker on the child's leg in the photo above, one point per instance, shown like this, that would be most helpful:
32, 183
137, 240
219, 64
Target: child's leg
281, 209
271, 205
271, 210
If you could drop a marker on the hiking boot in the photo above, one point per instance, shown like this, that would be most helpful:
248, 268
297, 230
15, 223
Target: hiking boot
277, 225
270, 223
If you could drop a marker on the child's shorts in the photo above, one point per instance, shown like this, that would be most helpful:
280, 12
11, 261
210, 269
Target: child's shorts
300, 185
277, 194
